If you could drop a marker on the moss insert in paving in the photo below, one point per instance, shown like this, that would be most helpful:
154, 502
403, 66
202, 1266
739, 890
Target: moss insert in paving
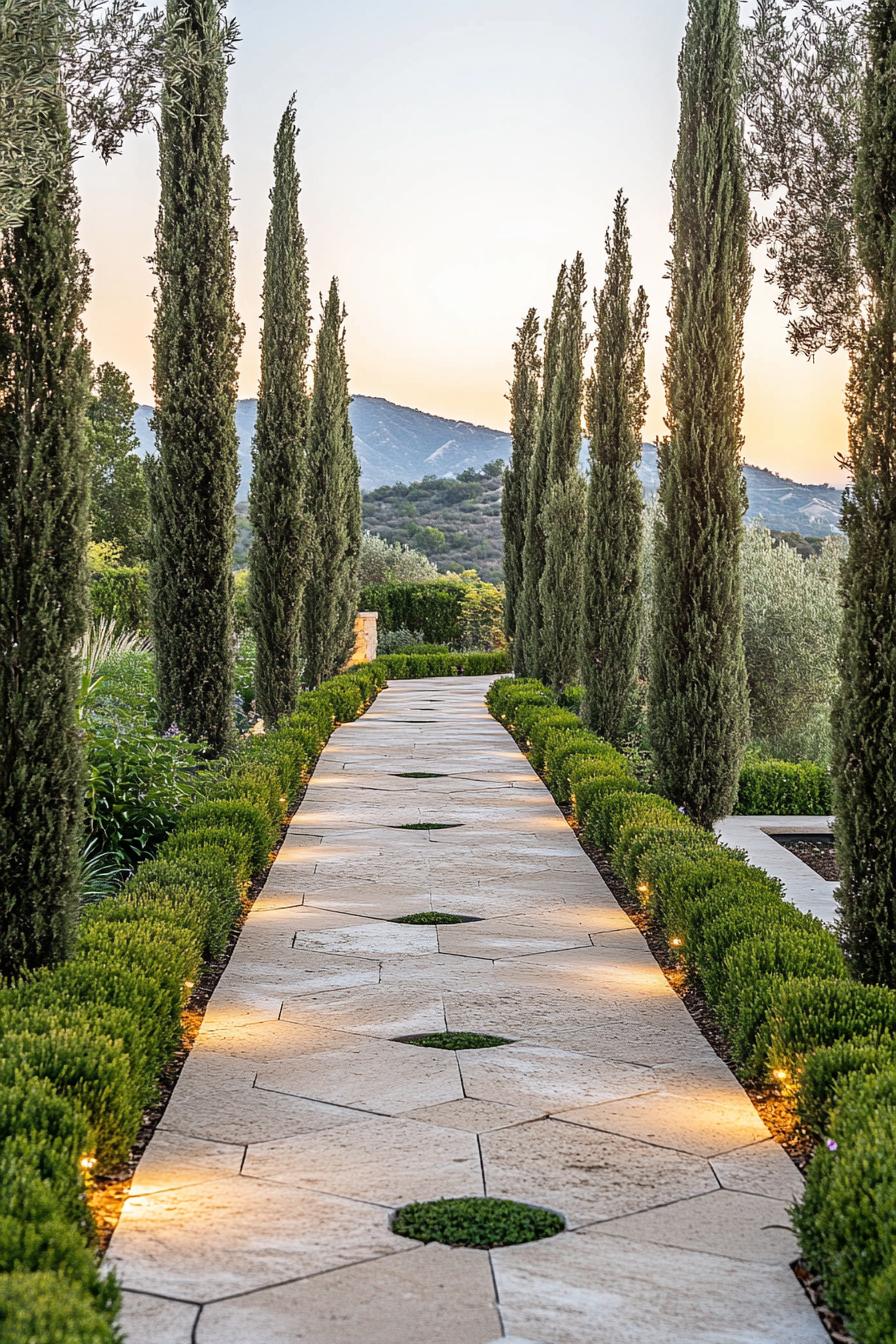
428, 826
455, 1040
417, 774
435, 917
476, 1221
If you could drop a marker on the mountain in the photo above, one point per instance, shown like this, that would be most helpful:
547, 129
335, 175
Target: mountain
396, 443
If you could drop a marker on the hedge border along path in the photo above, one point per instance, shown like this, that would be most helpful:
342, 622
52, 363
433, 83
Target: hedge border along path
299, 1125
779, 985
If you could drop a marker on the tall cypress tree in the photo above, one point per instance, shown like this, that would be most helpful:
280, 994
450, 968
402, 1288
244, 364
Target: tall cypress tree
615, 406
865, 710
43, 536
119, 507
278, 563
196, 343
334, 506
563, 511
698, 695
524, 393
528, 657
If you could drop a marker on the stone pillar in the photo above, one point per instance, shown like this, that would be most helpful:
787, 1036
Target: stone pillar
365, 638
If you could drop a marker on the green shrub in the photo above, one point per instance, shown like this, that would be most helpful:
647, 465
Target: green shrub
253, 782
236, 848
345, 696
806, 1014
246, 819
564, 748
283, 752
121, 594
784, 788
589, 792
827, 1070
47, 1308
647, 828
847, 1219
434, 608
543, 725
209, 876
875, 1316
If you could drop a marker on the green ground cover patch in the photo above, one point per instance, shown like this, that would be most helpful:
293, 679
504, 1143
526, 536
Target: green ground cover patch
428, 826
418, 774
455, 1040
476, 1221
435, 917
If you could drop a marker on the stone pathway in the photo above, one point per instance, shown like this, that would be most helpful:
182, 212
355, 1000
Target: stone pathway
802, 885
260, 1211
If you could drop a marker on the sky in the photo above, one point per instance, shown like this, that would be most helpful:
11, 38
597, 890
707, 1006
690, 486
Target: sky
451, 157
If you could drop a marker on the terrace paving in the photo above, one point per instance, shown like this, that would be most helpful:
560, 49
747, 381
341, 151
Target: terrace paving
260, 1212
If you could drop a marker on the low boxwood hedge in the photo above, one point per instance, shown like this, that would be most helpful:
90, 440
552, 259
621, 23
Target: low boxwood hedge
82, 1044
776, 977
407, 666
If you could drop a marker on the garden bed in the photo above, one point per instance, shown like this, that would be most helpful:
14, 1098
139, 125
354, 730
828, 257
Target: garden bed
816, 851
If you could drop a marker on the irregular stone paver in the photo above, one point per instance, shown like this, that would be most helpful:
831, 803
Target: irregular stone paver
264, 1200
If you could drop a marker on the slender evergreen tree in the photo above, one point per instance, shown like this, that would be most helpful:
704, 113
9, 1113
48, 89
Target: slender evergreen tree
865, 709
563, 511
528, 653
698, 696
616, 402
43, 536
279, 555
119, 506
334, 505
524, 394
196, 343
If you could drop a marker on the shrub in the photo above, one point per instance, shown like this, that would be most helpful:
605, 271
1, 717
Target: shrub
806, 1014
784, 788
121, 594
207, 878
226, 840
247, 819
251, 782
50, 1308
847, 1219
827, 1070
434, 608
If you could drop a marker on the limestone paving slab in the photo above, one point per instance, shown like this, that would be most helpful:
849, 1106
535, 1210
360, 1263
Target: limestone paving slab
263, 1201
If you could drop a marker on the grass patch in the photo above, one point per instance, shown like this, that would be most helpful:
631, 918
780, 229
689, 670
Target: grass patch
455, 1040
417, 774
435, 917
427, 826
476, 1221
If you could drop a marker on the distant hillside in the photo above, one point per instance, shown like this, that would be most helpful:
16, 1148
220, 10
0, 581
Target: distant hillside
397, 444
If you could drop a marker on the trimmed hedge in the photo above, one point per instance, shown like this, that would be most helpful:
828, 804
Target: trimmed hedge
405, 666
776, 978
82, 1044
432, 609
784, 789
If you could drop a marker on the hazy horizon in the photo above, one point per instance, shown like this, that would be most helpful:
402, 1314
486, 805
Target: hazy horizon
449, 164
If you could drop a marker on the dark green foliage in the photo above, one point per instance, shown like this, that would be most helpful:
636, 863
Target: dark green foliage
428, 826
400, 666
121, 595
476, 1221
563, 502
196, 342
527, 651
809, 1013
524, 396
48, 1307
830, 1068
615, 405
334, 506
418, 774
432, 608
43, 532
698, 697
865, 709
280, 549
434, 917
119, 504
239, 815
455, 1040
784, 788
205, 883
229, 841
847, 1219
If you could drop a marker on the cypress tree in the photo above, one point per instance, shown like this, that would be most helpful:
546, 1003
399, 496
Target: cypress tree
43, 536
276, 508
524, 393
334, 506
528, 659
698, 698
119, 506
563, 511
865, 709
615, 405
196, 343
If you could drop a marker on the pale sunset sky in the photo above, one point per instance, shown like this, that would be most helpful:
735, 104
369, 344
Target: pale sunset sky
451, 157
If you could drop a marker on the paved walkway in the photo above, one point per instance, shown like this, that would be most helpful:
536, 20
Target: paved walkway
260, 1211
802, 885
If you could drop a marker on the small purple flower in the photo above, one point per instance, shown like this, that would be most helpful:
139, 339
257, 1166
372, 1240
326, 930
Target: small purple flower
831, 1145
173, 731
